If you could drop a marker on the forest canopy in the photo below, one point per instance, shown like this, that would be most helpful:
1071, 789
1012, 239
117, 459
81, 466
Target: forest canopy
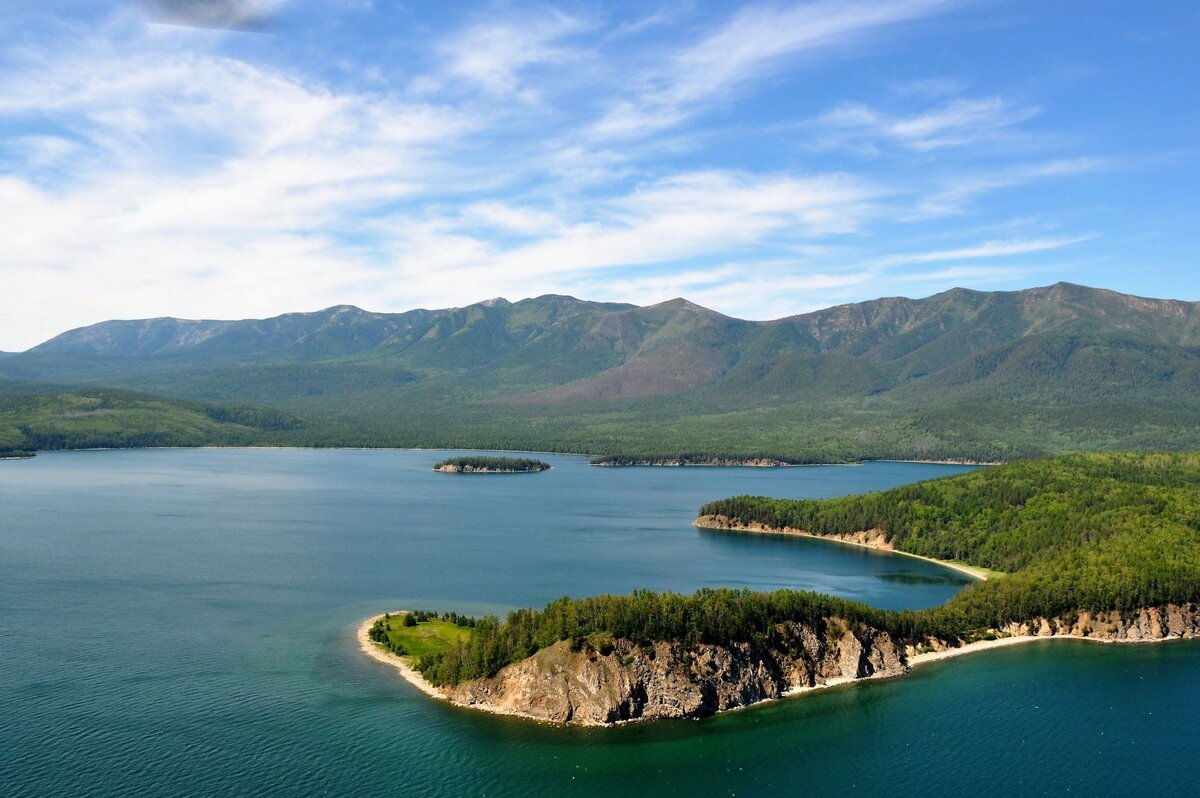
479, 464
1096, 532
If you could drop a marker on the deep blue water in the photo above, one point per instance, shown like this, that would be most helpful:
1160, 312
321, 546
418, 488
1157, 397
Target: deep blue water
182, 622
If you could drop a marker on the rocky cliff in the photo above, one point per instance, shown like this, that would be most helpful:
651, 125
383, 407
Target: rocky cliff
623, 681
1146, 625
873, 538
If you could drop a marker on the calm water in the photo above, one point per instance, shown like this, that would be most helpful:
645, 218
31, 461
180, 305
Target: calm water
182, 622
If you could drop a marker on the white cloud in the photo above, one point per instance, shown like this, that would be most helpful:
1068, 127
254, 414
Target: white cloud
195, 182
956, 123
752, 44
687, 216
956, 194
988, 249
493, 55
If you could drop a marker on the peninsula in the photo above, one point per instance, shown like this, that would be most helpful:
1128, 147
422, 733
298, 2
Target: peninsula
1093, 547
490, 465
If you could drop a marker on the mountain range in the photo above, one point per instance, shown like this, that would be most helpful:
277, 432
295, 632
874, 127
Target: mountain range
961, 374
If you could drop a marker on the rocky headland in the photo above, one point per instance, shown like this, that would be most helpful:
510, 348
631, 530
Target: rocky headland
625, 681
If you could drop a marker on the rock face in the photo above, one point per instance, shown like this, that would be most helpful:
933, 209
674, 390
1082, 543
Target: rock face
632, 682
875, 538
1145, 625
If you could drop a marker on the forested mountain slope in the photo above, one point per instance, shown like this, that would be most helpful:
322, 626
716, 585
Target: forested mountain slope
1065, 361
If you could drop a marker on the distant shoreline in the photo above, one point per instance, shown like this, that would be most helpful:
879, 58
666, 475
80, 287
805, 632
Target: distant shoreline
741, 462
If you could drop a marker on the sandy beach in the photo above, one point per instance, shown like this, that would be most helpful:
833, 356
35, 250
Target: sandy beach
410, 674
969, 570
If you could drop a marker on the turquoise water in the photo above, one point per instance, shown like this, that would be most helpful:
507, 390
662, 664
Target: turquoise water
182, 622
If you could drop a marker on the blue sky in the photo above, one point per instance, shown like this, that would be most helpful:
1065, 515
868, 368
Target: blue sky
223, 159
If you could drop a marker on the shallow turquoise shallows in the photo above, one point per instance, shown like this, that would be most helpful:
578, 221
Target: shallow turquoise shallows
181, 622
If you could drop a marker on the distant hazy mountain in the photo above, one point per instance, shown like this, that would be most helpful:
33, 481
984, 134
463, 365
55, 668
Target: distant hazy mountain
552, 365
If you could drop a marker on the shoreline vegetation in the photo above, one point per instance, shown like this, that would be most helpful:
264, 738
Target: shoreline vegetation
490, 465
979, 376
873, 539
404, 666
765, 461
1102, 546
704, 460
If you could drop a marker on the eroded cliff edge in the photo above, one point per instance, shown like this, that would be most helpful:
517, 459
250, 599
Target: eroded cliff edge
624, 681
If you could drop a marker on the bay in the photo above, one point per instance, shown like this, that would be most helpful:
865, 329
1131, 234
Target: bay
182, 622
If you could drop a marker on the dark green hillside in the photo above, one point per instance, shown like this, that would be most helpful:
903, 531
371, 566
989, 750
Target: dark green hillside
1025, 373
1082, 533
89, 419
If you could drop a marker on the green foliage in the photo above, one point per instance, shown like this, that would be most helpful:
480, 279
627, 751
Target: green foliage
417, 634
1086, 532
481, 463
105, 418
960, 375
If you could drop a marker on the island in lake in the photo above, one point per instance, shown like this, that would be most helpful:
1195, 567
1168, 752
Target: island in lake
490, 465
755, 461
1099, 547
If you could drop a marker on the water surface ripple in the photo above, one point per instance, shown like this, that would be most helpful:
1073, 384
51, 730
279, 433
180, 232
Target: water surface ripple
181, 622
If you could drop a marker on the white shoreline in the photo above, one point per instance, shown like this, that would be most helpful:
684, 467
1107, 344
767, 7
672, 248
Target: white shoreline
414, 677
407, 672
970, 570
1004, 642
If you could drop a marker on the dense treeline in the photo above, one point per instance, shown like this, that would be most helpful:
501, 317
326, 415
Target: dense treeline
116, 419
1084, 532
702, 459
485, 463
380, 631
15, 454
708, 616
38, 417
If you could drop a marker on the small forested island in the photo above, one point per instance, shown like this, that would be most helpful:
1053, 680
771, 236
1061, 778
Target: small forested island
490, 465
1099, 547
757, 461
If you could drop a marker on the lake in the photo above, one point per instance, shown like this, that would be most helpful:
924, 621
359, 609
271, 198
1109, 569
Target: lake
182, 622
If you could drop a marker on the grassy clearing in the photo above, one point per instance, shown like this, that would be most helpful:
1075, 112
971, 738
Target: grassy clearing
427, 637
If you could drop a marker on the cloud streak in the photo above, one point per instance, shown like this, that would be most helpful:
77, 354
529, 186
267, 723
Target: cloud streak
957, 123
751, 44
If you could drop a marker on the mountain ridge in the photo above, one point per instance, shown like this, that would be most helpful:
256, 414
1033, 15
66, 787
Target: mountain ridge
874, 378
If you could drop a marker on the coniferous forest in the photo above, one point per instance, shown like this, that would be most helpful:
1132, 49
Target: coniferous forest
1096, 532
